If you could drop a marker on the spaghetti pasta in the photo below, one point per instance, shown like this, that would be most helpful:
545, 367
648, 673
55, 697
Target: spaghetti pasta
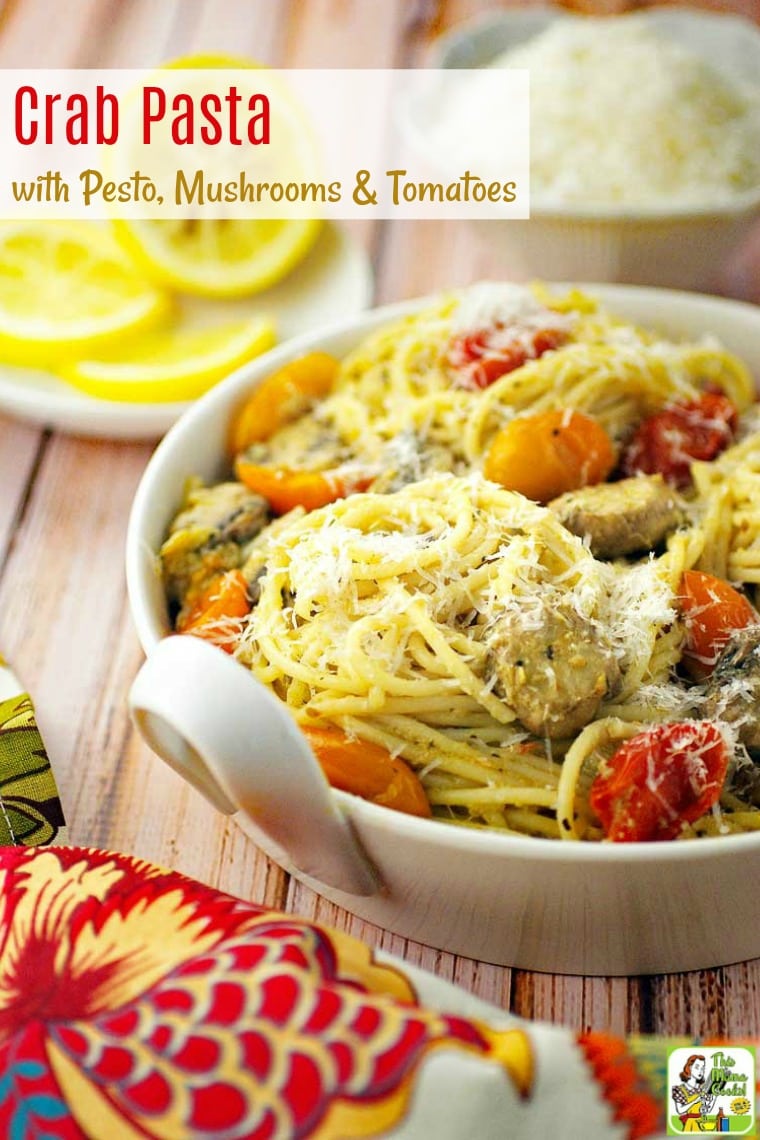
399, 379
439, 615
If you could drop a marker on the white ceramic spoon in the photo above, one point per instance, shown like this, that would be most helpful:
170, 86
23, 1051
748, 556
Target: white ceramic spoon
210, 719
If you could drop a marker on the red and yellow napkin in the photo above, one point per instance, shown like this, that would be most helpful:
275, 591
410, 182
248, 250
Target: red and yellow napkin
135, 1002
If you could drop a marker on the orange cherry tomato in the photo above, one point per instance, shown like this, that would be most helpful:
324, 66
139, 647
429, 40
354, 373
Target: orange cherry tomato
282, 397
285, 489
367, 770
657, 781
712, 610
221, 603
548, 453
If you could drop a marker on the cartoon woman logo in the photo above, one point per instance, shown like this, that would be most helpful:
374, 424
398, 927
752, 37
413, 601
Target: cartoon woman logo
692, 1100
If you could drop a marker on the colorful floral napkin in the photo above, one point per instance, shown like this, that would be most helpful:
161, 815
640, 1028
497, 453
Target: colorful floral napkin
135, 1002
30, 810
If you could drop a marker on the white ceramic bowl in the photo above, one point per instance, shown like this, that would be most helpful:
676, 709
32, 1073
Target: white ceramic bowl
679, 247
534, 903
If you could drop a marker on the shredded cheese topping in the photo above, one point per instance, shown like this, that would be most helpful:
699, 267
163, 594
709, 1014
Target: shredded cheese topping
621, 114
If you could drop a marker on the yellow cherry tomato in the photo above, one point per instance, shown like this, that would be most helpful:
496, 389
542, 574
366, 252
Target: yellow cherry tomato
367, 770
282, 397
548, 453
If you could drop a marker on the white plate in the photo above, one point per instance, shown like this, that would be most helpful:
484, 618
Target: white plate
335, 281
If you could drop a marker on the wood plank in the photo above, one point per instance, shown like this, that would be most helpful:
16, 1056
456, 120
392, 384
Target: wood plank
252, 28
417, 258
453, 12
345, 33
143, 33
139, 34
36, 33
19, 447
614, 1005
63, 591
709, 1003
156, 814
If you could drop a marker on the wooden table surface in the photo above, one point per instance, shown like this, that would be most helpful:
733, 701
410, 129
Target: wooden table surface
64, 503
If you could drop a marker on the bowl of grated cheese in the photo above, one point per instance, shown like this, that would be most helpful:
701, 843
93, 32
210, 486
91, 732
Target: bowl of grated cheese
645, 141
518, 899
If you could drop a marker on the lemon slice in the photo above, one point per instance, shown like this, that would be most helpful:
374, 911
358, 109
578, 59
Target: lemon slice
166, 366
217, 257
218, 254
67, 289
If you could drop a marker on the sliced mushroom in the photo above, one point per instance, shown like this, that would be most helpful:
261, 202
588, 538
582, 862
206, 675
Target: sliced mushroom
406, 459
733, 691
210, 535
258, 551
552, 667
306, 445
621, 518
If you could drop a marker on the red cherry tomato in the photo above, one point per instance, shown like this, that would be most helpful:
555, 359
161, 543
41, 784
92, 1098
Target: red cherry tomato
712, 610
656, 781
669, 441
481, 357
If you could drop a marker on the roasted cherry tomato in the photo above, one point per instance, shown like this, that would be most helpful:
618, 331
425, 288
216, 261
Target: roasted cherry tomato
667, 776
712, 610
284, 488
213, 615
668, 442
483, 356
283, 397
367, 770
548, 453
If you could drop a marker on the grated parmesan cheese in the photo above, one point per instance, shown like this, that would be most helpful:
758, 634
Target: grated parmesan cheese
622, 114
638, 605
502, 304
